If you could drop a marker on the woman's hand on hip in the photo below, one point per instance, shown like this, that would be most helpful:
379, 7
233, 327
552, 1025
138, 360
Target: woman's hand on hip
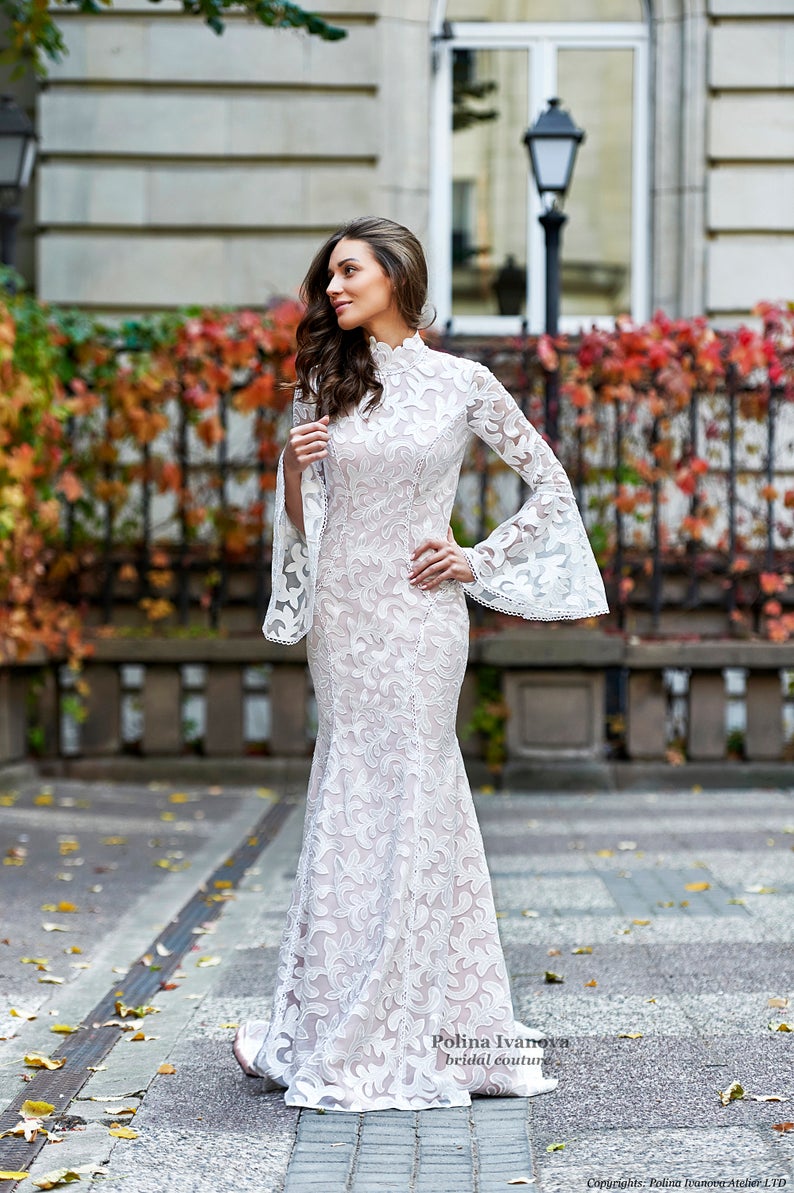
307, 443
436, 560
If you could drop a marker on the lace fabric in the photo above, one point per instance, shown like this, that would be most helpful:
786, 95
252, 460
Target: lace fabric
391, 949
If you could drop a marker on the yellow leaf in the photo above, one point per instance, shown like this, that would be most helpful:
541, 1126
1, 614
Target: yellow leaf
141, 1036
780, 1027
34, 960
68, 845
549, 976
6, 1175
734, 1093
584, 949
207, 962
21, 1014
52, 980
223, 885
773, 1002
63, 1029
43, 801
605, 853
168, 815
593, 982
117, 1110
114, 841
122, 1132
37, 1060
533, 915
229, 1025
36, 1109
556, 1147
73, 948
66, 907
180, 797
166, 1070
629, 1035
642, 923
697, 886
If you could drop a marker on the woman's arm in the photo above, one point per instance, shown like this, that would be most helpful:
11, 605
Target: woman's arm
293, 499
307, 443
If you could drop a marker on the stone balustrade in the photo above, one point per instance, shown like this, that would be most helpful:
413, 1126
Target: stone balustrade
226, 698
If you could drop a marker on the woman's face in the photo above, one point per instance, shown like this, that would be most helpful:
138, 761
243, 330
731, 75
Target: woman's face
360, 291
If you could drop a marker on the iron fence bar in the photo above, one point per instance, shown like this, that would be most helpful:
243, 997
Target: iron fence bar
770, 477
109, 518
260, 574
619, 516
656, 575
182, 451
219, 592
693, 591
731, 388
146, 516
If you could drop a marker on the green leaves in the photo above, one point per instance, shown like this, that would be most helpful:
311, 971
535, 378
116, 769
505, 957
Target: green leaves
35, 35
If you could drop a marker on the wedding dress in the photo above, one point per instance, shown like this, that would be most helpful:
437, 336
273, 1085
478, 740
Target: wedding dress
392, 988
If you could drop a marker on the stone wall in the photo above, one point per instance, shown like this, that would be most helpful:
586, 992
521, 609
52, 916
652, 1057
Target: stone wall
178, 167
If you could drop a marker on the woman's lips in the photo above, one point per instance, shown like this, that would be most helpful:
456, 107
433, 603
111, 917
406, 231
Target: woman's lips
340, 306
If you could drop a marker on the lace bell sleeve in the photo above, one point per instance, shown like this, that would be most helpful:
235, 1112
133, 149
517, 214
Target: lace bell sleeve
294, 555
538, 564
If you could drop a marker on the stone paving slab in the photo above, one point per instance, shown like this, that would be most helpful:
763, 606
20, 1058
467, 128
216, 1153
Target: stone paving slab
694, 984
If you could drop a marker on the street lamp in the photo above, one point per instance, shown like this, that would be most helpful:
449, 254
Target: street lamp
17, 155
552, 142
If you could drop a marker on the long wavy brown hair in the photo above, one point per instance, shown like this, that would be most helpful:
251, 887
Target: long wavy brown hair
334, 367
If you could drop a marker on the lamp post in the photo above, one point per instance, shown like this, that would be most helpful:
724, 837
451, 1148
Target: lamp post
552, 142
17, 155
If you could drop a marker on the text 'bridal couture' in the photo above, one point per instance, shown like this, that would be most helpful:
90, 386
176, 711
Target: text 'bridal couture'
391, 952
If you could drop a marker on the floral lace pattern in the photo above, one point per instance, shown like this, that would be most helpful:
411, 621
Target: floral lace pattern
391, 947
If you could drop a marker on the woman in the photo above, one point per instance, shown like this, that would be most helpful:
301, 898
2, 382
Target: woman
392, 989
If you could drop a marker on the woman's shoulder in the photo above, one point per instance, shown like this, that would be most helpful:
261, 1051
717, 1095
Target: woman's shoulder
461, 368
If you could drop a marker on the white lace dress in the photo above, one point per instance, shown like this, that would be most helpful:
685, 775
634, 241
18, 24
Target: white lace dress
392, 989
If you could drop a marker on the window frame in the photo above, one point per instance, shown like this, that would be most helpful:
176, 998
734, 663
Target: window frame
542, 41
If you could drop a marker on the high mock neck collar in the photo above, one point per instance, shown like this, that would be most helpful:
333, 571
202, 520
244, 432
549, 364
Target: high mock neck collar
389, 361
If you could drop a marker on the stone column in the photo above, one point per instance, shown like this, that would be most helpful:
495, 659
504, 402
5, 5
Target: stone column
288, 692
706, 740
224, 724
764, 736
646, 716
100, 733
162, 709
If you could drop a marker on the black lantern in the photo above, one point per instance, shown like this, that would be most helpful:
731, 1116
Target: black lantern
17, 155
552, 143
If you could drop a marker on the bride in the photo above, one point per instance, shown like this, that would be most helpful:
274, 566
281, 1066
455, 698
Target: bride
392, 988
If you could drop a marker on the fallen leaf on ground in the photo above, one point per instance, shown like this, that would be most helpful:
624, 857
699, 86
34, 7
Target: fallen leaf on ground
584, 949
137, 1012
779, 1027
629, 1035
592, 982
229, 1025
734, 1093
6, 1175
206, 962
549, 976
52, 980
533, 915
37, 1060
122, 1132
36, 1109
140, 1035
50, 927
21, 1014
117, 1110
764, 1098
162, 951
555, 1147
782, 1127
66, 1176
63, 1029
777, 1002
627, 844
521, 1180
166, 1070
554, 953
641, 923
760, 890
697, 886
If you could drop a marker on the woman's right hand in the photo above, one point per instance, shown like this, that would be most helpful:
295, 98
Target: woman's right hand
307, 443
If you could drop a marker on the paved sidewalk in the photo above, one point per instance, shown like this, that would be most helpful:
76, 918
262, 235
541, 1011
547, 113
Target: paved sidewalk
687, 903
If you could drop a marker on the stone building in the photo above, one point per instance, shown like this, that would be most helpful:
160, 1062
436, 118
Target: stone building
177, 167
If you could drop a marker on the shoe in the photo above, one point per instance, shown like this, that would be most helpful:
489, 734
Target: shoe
247, 1042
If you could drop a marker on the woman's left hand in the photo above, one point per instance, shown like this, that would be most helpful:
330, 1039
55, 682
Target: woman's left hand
443, 560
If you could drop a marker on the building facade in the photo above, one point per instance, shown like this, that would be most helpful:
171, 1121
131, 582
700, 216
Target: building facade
180, 168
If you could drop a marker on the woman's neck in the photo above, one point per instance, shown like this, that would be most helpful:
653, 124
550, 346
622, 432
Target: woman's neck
392, 332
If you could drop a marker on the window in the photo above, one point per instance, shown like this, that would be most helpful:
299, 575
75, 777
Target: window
491, 81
